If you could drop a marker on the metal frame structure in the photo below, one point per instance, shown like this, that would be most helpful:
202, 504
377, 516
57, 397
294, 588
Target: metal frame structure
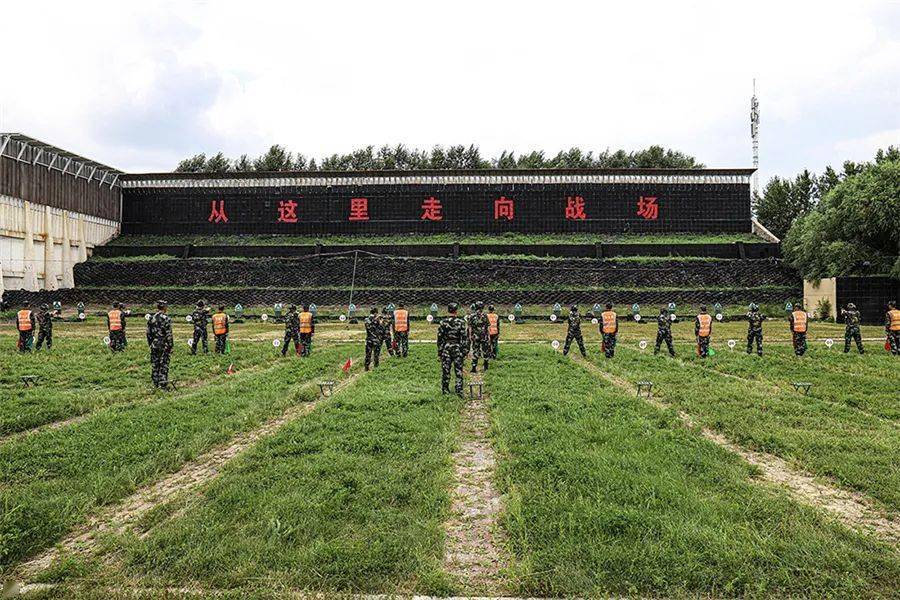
25, 149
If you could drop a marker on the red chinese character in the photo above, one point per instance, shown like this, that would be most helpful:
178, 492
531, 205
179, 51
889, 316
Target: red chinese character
359, 209
503, 208
287, 211
575, 208
431, 209
648, 208
217, 213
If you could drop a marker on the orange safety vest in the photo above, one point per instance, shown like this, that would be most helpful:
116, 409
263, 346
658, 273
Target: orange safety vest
306, 322
705, 325
115, 320
895, 320
799, 321
493, 324
219, 320
609, 321
24, 318
401, 320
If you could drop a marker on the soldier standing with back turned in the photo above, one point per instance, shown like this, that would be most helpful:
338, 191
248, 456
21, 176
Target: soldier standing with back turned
25, 325
755, 329
664, 332
374, 337
851, 329
199, 318
159, 338
573, 332
892, 328
703, 331
451, 344
799, 322
400, 324
481, 339
609, 329
291, 330
45, 327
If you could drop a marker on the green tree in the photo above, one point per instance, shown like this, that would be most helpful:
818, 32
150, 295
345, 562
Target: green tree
275, 159
218, 164
854, 229
784, 200
194, 164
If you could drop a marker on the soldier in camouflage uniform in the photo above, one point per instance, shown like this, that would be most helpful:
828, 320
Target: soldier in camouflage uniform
703, 331
159, 338
451, 343
481, 338
799, 324
851, 329
664, 332
291, 330
609, 330
387, 324
200, 317
45, 327
754, 329
574, 331
374, 337
892, 328
25, 324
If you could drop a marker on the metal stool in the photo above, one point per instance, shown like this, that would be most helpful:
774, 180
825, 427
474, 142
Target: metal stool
30, 380
476, 385
645, 386
802, 386
326, 388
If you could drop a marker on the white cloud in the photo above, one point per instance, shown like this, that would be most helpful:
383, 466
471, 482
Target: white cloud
142, 85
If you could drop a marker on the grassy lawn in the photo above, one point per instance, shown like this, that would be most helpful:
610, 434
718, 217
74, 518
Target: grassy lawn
53, 480
834, 439
350, 497
449, 238
606, 495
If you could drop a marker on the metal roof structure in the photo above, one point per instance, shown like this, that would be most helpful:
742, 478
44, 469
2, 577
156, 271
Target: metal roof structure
25, 149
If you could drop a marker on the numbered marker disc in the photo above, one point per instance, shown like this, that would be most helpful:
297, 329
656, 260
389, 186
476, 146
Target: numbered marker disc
276, 342
555, 344
264, 317
553, 317
829, 342
190, 341
511, 318
81, 316
189, 318
719, 316
106, 340
429, 318
642, 344
147, 316
637, 317
594, 321
343, 318
673, 317
732, 344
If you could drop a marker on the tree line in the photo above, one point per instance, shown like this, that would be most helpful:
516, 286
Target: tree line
391, 158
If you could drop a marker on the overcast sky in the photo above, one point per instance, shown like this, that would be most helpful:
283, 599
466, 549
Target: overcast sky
141, 85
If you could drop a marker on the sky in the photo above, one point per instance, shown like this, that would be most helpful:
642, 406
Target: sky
141, 85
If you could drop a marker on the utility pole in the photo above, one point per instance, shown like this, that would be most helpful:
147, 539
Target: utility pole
754, 135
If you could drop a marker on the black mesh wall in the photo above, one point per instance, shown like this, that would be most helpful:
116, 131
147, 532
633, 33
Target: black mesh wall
869, 294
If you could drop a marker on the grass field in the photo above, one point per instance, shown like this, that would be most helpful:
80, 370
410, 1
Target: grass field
270, 490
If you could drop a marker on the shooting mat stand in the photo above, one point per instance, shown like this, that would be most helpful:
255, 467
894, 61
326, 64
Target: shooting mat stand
326, 388
802, 386
645, 387
476, 386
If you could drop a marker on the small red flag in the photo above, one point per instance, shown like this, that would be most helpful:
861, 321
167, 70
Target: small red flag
347, 365
230, 370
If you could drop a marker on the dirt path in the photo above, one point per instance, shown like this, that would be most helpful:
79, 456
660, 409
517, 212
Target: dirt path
189, 478
473, 556
854, 509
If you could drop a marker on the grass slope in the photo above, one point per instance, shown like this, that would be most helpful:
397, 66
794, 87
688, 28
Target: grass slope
606, 495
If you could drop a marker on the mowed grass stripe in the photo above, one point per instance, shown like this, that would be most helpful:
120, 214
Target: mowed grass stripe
606, 494
352, 497
858, 451
53, 480
79, 376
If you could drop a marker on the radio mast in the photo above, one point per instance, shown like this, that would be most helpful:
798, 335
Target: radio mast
754, 135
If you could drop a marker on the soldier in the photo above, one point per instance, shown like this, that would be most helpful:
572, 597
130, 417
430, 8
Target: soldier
703, 331
574, 332
609, 328
493, 330
664, 332
892, 328
851, 329
374, 337
45, 325
307, 329
220, 329
115, 324
291, 330
159, 338
25, 324
386, 327
754, 329
451, 343
799, 325
481, 339
400, 324
200, 317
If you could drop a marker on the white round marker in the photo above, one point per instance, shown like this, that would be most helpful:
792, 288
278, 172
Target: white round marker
429, 318
342, 318
553, 318
642, 344
637, 317
106, 340
189, 318
829, 342
511, 318
732, 344
276, 342
555, 344
264, 317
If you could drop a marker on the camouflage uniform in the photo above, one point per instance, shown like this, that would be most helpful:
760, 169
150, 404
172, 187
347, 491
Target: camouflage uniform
609, 339
291, 332
26, 337
159, 338
574, 333
117, 341
387, 324
799, 338
481, 339
702, 340
374, 339
851, 330
451, 343
664, 333
754, 331
45, 325
200, 318
893, 336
